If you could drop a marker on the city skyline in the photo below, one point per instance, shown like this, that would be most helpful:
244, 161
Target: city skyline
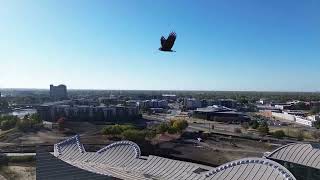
233, 46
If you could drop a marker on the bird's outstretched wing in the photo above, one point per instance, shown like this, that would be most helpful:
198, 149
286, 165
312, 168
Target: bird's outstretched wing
170, 40
163, 41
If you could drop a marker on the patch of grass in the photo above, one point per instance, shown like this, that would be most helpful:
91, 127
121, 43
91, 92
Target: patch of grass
21, 159
300, 134
4, 133
308, 135
296, 133
278, 134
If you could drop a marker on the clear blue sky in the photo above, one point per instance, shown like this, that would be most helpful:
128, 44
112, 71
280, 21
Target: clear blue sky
271, 45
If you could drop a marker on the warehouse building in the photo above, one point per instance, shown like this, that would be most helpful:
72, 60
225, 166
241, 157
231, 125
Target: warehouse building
220, 113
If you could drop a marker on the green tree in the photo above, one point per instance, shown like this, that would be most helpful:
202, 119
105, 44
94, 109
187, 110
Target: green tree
162, 128
24, 125
35, 118
8, 122
243, 100
134, 135
254, 124
126, 127
180, 125
116, 129
263, 128
150, 133
278, 134
112, 130
172, 130
5, 125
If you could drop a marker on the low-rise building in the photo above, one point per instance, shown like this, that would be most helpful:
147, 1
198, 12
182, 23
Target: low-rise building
296, 117
191, 103
281, 115
111, 100
53, 111
132, 103
169, 97
229, 103
283, 106
84, 101
264, 101
220, 113
154, 103
303, 121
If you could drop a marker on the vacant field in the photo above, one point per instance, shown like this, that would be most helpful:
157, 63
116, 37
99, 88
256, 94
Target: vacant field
18, 172
216, 150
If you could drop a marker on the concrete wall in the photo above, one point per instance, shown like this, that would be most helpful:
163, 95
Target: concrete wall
288, 117
303, 121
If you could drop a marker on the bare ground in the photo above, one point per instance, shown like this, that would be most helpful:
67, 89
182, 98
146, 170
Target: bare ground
18, 172
216, 150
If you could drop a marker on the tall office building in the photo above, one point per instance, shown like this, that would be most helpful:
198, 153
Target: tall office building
58, 92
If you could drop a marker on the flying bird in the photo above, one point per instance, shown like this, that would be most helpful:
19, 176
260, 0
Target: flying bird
167, 44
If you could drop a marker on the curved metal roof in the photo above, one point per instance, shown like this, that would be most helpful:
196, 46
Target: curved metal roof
123, 160
250, 168
121, 143
299, 153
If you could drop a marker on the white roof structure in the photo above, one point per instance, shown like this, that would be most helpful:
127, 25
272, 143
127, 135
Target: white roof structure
123, 160
250, 168
299, 153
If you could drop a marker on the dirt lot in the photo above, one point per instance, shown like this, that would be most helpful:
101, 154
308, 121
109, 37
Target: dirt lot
48, 136
40, 137
18, 172
216, 150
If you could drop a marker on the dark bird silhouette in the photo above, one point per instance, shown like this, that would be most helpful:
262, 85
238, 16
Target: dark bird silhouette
167, 44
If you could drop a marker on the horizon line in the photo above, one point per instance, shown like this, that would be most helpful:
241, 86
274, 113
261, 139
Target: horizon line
195, 90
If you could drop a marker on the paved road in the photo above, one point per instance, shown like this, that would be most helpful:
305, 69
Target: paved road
19, 154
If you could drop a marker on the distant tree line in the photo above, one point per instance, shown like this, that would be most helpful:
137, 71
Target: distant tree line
261, 126
3, 103
130, 132
251, 97
27, 123
8, 122
28, 99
